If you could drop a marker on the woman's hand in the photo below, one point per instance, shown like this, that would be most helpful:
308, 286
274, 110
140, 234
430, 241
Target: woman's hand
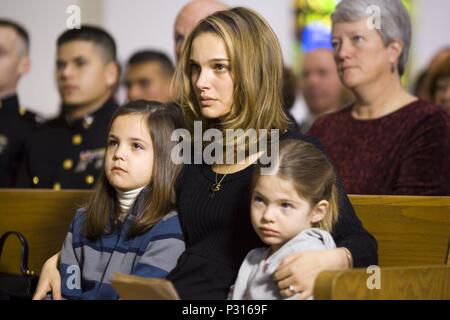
49, 280
298, 272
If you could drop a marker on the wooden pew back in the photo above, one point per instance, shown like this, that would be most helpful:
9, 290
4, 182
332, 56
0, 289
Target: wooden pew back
43, 216
410, 231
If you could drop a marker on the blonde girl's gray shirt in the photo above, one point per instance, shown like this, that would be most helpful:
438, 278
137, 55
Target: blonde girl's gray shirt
255, 278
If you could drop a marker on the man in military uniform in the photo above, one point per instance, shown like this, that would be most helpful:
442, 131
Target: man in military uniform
148, 76
68, 152
16, 123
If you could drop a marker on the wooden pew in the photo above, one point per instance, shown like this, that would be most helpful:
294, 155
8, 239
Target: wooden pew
413, 235
396, 283
410, 231
43, 216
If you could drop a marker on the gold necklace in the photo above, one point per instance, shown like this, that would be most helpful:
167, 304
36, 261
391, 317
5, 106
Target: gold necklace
217, 185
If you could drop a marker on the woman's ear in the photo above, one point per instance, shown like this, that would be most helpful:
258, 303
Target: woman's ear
319, 211
395, 51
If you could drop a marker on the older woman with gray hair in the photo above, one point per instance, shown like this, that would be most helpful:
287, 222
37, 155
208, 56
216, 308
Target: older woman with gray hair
387, 141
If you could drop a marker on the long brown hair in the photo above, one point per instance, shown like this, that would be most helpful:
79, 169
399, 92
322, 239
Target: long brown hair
102, 208
256, 70
311, 173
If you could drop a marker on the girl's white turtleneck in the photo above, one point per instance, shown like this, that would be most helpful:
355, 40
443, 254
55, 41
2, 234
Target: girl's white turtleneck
126, 199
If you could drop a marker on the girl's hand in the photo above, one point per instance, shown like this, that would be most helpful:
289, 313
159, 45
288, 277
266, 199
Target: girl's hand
49, 280
298, 272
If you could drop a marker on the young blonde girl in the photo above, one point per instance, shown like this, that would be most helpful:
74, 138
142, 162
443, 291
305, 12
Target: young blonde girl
128, 225
291, 211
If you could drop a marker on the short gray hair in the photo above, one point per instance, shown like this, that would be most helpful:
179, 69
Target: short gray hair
395, 22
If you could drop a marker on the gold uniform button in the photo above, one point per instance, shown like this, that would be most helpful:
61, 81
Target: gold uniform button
89, 179
57, 186
35, 180
77, 139
22, 111
68, 164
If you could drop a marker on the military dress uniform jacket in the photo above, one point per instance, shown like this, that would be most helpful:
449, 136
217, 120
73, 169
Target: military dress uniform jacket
68, 155
16, 125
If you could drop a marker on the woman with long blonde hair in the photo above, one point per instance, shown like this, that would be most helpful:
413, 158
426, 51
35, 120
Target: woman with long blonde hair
229, 77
